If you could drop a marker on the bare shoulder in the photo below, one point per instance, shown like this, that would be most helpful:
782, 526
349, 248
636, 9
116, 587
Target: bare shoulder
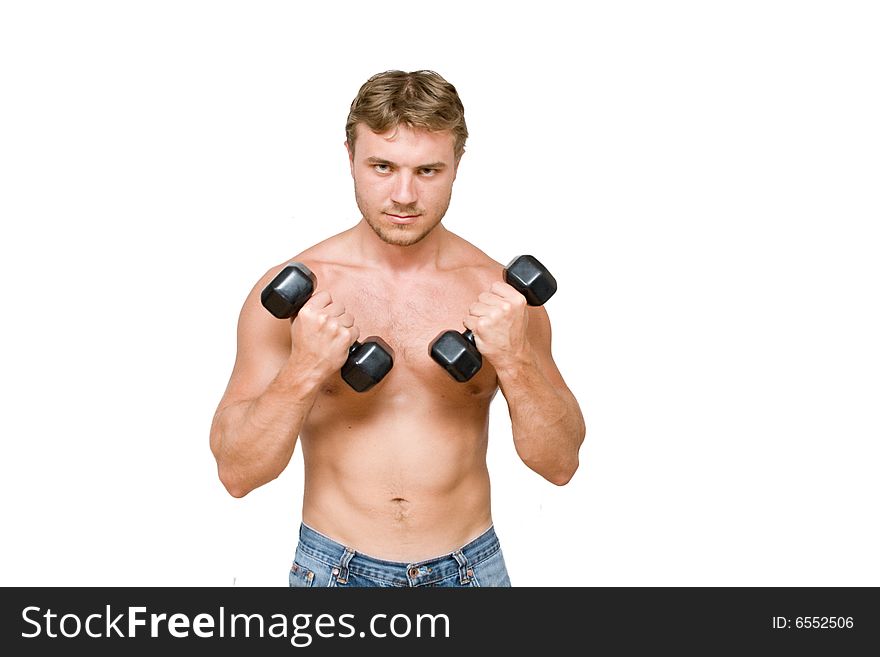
320, 258
465, 255
263, 341
256, 325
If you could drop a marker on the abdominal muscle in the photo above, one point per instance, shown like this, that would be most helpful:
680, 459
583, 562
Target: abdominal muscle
397, 473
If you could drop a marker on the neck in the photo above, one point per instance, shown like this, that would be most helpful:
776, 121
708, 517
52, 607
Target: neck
423, 254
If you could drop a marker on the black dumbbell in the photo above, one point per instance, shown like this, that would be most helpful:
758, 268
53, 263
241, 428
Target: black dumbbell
457, 352
367, 362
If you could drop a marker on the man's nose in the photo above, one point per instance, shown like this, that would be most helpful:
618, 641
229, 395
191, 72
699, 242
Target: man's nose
404, 192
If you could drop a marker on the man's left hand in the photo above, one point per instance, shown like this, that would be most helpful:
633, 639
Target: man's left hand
499, 321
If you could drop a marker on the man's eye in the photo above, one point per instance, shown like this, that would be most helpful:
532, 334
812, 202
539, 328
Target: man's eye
381, 168
429, 172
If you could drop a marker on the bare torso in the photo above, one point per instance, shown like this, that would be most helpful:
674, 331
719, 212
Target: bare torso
399, 472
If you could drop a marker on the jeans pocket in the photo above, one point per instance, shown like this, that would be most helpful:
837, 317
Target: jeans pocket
490, 572
300, 576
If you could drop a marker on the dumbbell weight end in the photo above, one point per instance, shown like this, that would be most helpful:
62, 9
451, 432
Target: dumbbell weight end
367, 363
457, 354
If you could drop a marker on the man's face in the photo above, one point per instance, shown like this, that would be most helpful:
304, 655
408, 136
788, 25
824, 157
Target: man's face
402, 181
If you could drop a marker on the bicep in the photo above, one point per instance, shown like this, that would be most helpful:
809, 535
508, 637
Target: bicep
262, 348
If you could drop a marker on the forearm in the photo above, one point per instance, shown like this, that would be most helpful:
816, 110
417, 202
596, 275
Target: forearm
254, 440
548, 426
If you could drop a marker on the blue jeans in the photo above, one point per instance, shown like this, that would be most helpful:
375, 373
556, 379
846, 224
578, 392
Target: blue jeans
321, 561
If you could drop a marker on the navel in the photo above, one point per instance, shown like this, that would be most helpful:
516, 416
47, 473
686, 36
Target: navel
401, 508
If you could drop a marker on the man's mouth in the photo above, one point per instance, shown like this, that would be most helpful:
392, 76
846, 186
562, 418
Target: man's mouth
402, 218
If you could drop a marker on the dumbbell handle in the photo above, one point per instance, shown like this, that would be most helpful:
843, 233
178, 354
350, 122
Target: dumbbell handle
469, 335
516, 284
527, 276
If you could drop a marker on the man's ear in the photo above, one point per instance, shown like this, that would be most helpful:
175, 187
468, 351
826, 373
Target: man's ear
455, 170
350, 150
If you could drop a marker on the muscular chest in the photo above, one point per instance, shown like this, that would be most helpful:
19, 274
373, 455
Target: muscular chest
408, 315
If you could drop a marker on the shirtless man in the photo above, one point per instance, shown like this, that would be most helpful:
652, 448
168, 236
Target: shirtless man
396, 486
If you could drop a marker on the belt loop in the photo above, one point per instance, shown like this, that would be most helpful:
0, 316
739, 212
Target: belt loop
342, 571
462, 566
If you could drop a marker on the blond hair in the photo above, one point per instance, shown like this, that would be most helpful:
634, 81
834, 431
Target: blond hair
418, 99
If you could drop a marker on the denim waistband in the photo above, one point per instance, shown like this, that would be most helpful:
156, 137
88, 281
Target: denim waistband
344, 560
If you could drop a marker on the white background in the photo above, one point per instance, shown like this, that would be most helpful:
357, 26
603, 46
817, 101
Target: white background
702, 179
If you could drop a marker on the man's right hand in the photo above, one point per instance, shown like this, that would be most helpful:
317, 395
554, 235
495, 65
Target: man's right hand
321, 335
